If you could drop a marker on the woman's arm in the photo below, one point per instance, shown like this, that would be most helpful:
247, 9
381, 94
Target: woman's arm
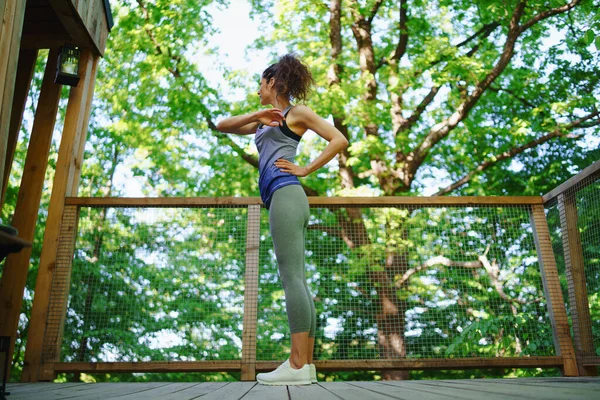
306, 118
248, 123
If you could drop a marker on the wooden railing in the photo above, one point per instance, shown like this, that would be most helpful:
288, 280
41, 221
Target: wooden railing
564, 357
565, 197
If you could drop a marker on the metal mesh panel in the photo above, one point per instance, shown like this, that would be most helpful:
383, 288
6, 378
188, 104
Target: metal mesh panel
574, 220
157, 284
416, 282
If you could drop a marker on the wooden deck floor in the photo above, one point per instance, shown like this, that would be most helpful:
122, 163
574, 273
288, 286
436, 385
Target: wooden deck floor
476, 389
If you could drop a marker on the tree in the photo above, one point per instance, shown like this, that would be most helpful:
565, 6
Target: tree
493, 98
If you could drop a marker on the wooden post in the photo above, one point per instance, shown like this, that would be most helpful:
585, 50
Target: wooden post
79, 146
553, 293
11, 28
16, 265
26, 66
59, 295
73, 122
575, 271
251, 294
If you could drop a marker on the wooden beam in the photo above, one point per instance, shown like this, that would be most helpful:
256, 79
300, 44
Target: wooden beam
593, 171
11, 27
553, 293
16, 265
91, 30
41, 41
329, 365
82, 129
25, 68
39, 312
471, 201
576, 282
251, 294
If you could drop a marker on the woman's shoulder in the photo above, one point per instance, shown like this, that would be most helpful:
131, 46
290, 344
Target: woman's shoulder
301, 113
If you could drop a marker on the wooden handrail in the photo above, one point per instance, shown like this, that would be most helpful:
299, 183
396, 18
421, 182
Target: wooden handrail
315, 201
592, 170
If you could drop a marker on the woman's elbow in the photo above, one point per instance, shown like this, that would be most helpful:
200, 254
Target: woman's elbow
343, 143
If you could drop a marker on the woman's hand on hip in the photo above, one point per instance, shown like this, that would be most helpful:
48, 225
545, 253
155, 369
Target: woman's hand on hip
291, 168
270, 117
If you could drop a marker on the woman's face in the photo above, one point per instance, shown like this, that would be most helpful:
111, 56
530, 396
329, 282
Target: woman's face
266, 91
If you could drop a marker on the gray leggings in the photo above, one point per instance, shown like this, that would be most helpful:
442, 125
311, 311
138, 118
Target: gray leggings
288, 219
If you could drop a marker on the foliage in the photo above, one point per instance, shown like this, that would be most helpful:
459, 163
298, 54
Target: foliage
441, 96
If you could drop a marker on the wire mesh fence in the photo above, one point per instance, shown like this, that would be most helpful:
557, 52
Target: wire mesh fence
414, 282
574, 221
389, 282
157, 284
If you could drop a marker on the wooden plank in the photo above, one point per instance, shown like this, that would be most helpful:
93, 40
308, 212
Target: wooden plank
25, 216
157, 392
314, 392
11, 27
194, 391
576, 281
74, 17
60, 391
231, 391
73, 24
592, 172
472, 201
165, 201
25, 68
329, 365
541, 389
263, 392
79, 146
44, 41
422, 364
347, 391
553, 293
251, 294
419, 389
150, 366
39, 312
104, 390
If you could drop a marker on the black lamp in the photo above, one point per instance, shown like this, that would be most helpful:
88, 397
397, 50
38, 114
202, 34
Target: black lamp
4, 348
67, 70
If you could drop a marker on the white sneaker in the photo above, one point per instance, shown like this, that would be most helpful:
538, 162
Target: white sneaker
286, 375
313, 373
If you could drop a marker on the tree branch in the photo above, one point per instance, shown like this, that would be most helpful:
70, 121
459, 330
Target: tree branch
442, 129
521, 99
335, 38
438, 260
374, 10
547, 14
559, 131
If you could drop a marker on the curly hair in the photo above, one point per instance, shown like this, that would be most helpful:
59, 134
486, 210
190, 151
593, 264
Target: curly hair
292, 78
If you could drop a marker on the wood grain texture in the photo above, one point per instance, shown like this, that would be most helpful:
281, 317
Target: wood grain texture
25, 68
25, 217
553, 292
590, 172
251, 294
39, 312
11, 27
313, 201
576, 281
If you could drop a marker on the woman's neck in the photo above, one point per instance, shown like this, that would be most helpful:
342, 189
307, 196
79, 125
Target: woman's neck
281, 103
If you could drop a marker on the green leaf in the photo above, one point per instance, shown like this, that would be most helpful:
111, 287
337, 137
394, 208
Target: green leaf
597, 43
589, 36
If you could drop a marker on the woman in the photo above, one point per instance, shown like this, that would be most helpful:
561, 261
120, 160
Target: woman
278, 132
